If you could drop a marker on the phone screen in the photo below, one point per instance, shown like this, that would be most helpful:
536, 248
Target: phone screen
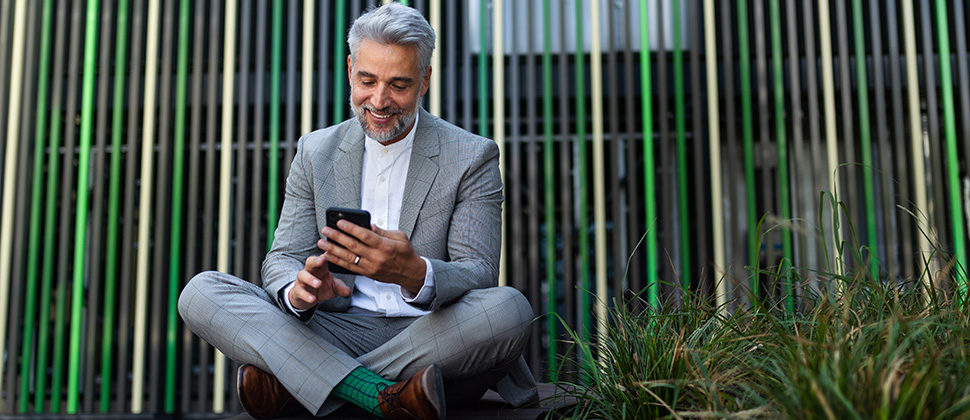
356, 216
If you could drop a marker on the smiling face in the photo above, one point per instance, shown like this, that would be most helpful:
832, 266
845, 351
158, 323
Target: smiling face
385, 87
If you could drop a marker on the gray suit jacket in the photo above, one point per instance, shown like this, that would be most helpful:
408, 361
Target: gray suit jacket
452, 209
452, 212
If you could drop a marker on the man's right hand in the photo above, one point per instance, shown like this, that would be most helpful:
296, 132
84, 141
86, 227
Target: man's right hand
315, 284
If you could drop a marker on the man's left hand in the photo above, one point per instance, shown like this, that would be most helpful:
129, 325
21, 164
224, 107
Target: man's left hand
385, 255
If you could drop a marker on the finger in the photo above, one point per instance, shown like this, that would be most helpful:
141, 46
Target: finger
339, 287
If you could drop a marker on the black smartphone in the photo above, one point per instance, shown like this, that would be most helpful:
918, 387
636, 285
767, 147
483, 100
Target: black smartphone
356, 216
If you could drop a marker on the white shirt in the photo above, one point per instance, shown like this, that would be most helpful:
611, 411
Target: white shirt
384, 174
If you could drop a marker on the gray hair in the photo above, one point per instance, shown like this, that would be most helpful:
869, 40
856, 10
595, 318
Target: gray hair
394, 24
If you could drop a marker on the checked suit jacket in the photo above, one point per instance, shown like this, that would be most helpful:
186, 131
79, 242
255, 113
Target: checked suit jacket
451, 211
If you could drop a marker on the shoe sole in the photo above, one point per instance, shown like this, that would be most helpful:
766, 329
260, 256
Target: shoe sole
436, 387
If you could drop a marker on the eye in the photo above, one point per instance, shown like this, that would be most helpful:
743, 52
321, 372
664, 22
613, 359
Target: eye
399, 87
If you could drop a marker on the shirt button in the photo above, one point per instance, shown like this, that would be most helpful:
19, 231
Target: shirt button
388, 297
384, 151
383, 179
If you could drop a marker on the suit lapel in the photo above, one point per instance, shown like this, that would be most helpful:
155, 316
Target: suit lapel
422, 170
347, 168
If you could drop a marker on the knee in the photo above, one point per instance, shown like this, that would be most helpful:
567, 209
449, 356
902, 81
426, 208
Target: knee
508, 309
199, 293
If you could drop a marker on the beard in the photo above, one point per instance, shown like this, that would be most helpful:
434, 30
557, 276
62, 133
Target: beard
404, 119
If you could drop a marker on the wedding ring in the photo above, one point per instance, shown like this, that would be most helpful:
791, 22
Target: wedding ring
357, 260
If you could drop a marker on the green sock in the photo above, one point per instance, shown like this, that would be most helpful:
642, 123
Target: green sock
360, 388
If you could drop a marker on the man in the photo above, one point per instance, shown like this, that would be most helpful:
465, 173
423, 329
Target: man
422, 322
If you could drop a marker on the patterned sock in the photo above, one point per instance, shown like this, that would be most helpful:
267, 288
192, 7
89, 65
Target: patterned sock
360, 388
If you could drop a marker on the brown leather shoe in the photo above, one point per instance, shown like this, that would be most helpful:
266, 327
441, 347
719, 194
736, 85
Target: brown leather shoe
263, 396
421, 396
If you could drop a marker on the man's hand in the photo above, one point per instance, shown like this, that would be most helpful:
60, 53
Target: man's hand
315, 284
385, 255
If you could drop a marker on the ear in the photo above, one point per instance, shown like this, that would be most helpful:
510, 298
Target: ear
426, 81
350, 70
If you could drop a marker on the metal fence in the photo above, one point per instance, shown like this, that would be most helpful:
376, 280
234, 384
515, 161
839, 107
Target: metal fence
647, 146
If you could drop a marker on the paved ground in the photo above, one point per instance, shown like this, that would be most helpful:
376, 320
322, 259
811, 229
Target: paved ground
490, 407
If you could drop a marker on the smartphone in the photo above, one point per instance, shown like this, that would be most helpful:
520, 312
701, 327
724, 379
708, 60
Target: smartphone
356, 216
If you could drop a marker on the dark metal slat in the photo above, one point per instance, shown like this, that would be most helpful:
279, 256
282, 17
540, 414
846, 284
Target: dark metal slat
665, 171
162, 216
322, 61
635, 218
513, 158
801, 199
731, 141
901, 219
565, 181
888, 243
615, 207
24, 176
208, 236
701, 219
193, 214
96, 277
849, 190
817, 175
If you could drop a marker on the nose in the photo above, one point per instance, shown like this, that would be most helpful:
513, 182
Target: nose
380, 99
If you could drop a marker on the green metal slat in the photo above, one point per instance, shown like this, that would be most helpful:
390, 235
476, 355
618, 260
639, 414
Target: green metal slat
953, 164
339, 64
649, 185
483, 70
96, 270
680, 129
62, 338
784, 194
276, 57
292, 77
175, 251
51, 210
114, 189
34, 234
747, 134
36, 231
862, 90
80, 224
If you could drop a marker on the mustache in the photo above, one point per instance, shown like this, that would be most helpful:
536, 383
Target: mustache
384, 111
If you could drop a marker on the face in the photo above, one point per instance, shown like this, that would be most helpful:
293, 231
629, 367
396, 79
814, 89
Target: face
385, 87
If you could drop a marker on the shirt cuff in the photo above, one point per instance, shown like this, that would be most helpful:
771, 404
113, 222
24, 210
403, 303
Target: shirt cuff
285, 300
427, 293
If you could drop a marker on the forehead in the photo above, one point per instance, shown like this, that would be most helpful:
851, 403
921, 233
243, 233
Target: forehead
386, 60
